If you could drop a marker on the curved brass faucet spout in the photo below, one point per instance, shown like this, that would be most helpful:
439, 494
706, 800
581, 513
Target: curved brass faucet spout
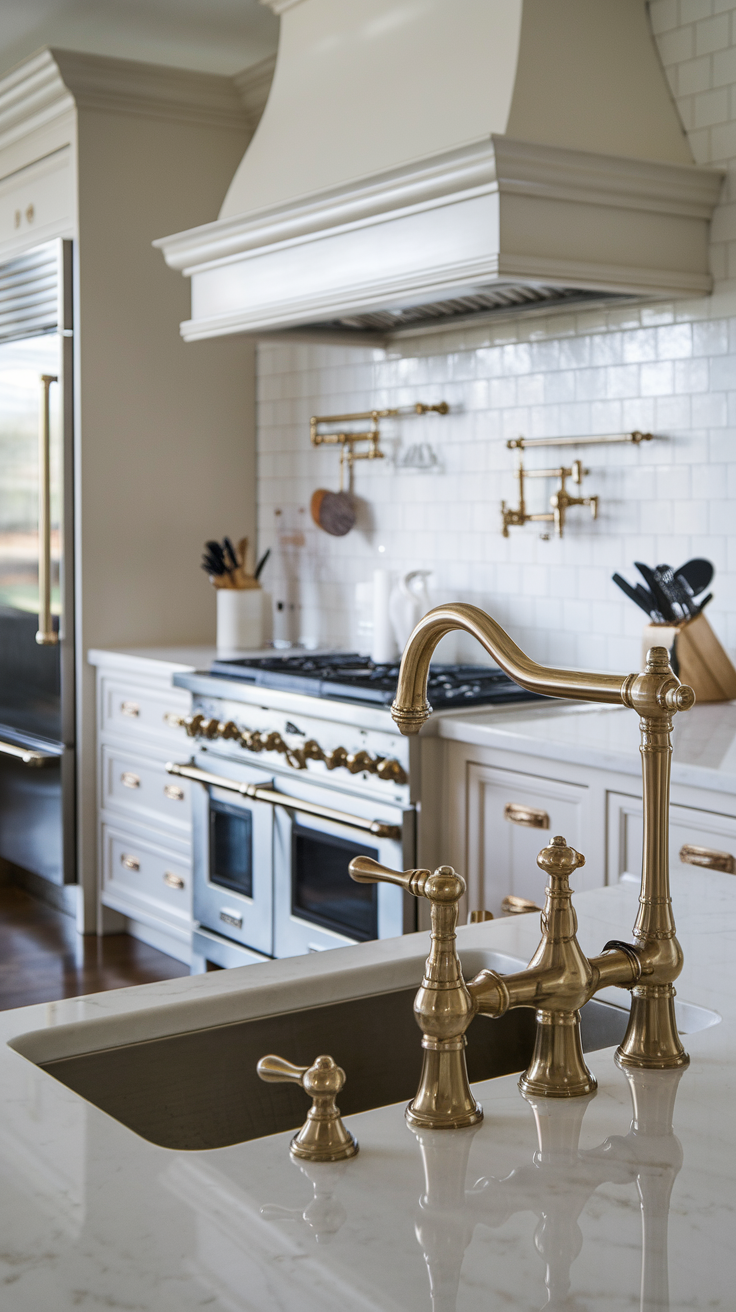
410, 708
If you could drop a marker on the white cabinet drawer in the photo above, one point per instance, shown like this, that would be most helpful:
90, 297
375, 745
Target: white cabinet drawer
38, 201
140, 875
140, 786
131, 710
697, 839
510, 818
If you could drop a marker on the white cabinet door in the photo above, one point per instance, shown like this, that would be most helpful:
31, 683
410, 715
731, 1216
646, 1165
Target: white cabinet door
510, 818
697, 839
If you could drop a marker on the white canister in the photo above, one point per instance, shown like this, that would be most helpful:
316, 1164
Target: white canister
240, 614
383, 648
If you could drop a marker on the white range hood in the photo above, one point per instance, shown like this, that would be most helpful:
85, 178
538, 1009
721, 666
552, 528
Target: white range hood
420, 160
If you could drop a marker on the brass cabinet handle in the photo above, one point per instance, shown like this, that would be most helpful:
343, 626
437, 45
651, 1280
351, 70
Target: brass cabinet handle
173, 881
528, 816
130, 862
174, 793
386, 767
173, 720
28, 755
46, 635
708, 858
263, 794
518, 906
130, 780
131, 709
478, 917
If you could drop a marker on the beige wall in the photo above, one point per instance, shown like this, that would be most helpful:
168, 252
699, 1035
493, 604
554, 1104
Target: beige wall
165, 431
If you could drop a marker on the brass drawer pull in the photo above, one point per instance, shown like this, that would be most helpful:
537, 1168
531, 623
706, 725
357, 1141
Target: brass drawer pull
517, 906
173, 719
173, 881
478, 917
174, 793
131, 709
528, 816
130, 862
708, 858
130, 780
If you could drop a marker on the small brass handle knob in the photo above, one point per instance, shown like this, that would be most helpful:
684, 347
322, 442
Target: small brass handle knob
131, 709
130, 780
559, 859
323, 1137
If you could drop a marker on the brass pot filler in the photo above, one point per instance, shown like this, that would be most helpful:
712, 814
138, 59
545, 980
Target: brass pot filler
559, 979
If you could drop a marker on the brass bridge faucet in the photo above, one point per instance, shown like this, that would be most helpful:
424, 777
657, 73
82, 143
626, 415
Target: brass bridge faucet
560, 979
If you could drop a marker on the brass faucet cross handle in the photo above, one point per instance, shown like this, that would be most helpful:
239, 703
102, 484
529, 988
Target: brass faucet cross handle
323, 1137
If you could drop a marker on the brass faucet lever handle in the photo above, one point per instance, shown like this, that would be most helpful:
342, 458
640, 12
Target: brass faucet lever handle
441, 886
323, 1137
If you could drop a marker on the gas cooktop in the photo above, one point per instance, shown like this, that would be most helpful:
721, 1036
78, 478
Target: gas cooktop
348, 677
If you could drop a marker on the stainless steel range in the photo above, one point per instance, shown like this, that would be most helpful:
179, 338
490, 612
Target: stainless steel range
302, 769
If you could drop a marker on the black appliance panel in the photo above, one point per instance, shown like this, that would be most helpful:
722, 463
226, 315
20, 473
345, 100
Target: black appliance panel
231, 848
323, 892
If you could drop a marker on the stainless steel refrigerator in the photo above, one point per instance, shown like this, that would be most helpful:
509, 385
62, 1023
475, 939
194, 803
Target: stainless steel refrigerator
37, 714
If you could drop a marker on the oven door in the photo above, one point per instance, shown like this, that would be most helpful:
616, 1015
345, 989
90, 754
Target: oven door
233, 859
316, 903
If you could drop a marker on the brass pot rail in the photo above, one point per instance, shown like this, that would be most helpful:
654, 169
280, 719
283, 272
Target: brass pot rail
607, 439
349, 440
560, 979
200, 726
261, 793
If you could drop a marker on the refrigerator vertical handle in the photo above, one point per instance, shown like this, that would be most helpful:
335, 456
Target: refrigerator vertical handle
46, 636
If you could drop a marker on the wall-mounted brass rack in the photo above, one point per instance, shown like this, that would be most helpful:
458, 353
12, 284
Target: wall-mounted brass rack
607, 439
347, 441
560, 501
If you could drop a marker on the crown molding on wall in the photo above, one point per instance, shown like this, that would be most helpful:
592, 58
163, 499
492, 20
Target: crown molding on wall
32, 96
54, 82
154, 90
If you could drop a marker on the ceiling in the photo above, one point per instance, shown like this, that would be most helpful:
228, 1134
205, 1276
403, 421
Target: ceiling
213, 36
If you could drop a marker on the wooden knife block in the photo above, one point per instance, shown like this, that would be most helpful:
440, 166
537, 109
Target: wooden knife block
696, 656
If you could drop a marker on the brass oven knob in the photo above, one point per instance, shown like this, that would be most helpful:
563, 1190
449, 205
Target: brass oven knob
323, 1137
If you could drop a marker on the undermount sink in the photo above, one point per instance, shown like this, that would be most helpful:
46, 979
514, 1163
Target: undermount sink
199, 1089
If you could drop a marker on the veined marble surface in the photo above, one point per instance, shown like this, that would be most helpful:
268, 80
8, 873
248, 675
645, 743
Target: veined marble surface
538, 1207
704, 753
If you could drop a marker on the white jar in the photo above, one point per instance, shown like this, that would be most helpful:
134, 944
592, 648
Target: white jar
240, 619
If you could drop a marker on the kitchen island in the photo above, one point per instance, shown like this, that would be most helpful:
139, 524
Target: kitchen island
96, 1217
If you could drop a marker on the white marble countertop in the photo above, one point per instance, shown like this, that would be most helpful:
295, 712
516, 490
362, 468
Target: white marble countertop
95, 1218
704, 753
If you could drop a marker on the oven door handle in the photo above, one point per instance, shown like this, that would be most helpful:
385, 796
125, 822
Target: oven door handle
261, 793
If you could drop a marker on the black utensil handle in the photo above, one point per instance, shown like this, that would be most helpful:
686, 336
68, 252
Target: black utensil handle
631, 593
262, 563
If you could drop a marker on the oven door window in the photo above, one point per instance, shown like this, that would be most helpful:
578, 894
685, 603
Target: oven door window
322, 890
231, 848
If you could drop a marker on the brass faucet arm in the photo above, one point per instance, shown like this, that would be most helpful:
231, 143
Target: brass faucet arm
410, 708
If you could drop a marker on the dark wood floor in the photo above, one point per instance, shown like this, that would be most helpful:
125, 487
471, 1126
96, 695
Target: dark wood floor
43, 958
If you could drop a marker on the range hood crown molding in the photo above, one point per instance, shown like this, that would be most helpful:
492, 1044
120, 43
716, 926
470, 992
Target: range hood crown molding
536, 220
